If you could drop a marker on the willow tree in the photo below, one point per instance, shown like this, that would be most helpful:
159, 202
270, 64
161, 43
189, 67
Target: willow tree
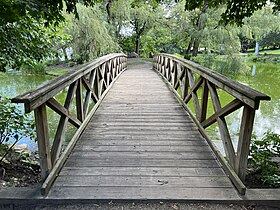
260, 24
90, 34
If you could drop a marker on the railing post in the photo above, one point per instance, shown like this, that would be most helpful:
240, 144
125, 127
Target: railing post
43, 140
245, 136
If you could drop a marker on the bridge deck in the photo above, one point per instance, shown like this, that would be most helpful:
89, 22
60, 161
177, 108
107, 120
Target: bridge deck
141, 144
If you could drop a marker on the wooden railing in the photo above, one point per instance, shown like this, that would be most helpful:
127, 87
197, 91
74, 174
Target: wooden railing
185, 78
88, 84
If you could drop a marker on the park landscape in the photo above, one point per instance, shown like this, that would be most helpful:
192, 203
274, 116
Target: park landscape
39, 45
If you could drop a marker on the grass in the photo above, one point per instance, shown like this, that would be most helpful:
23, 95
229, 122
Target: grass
273, 52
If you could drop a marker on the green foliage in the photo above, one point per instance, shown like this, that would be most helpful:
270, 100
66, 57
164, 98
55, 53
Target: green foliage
235, 11
28, 41
271, 40
14, 124
229, 65
261, 158
91, 37
49, 11
37, 68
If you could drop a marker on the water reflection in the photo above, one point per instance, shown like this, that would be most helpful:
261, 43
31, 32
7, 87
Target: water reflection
265, 78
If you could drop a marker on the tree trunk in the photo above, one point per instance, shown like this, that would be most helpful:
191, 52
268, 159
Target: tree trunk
137, 44
195, 47
65, 54
188, 51
257, 48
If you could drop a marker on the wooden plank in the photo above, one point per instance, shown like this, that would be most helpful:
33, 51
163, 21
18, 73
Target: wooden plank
140, 181
245, 136
79, 101
226, 110
151, 137
193, 93
41, 121
95, 148
141, 171
58, 108
223, 129
157, 155
144, 193
88, 162
62, 125
204, 102
144, 142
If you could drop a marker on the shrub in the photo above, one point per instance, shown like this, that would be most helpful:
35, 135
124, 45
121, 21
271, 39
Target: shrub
14, 125
38, 68
262, 155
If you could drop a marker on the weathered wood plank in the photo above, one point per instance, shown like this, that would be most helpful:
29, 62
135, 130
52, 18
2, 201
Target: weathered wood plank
101, 148
246, 130
144, 193
157, 155
43, 140
143, 142
142, 181
141, 171
140, 162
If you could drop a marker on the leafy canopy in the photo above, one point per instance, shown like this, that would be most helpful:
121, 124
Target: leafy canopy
50, 11
236, 10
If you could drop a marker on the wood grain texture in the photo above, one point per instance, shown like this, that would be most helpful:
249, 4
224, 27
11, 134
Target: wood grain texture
141, 144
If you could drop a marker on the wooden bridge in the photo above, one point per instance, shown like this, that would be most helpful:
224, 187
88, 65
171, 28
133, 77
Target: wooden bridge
137, 137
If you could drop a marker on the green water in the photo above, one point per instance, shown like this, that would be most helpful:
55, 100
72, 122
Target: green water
265, 78
12, 85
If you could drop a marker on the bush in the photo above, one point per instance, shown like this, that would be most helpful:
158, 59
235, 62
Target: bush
38, 68
262, 155
14, 125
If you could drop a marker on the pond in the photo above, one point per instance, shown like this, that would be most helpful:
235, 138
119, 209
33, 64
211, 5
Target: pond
263, 77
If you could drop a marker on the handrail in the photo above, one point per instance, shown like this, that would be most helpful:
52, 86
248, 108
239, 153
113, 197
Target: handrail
88, 84
179, 74
34, 98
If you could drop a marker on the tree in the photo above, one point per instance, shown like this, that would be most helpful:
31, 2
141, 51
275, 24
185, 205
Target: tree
137, 16
49, 11
271, 40
24, 37
236, 10
91, 36
260, 24
28, 41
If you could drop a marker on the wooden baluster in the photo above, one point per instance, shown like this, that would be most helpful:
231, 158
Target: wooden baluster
62, 125
102, 85
43, 140
185, 87
175, 70
96, 83
225, 136
245, 136
89, 91
194, 94
204, 102
79, 101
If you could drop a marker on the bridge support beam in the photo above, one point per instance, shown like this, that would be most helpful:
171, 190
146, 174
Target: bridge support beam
43, 140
